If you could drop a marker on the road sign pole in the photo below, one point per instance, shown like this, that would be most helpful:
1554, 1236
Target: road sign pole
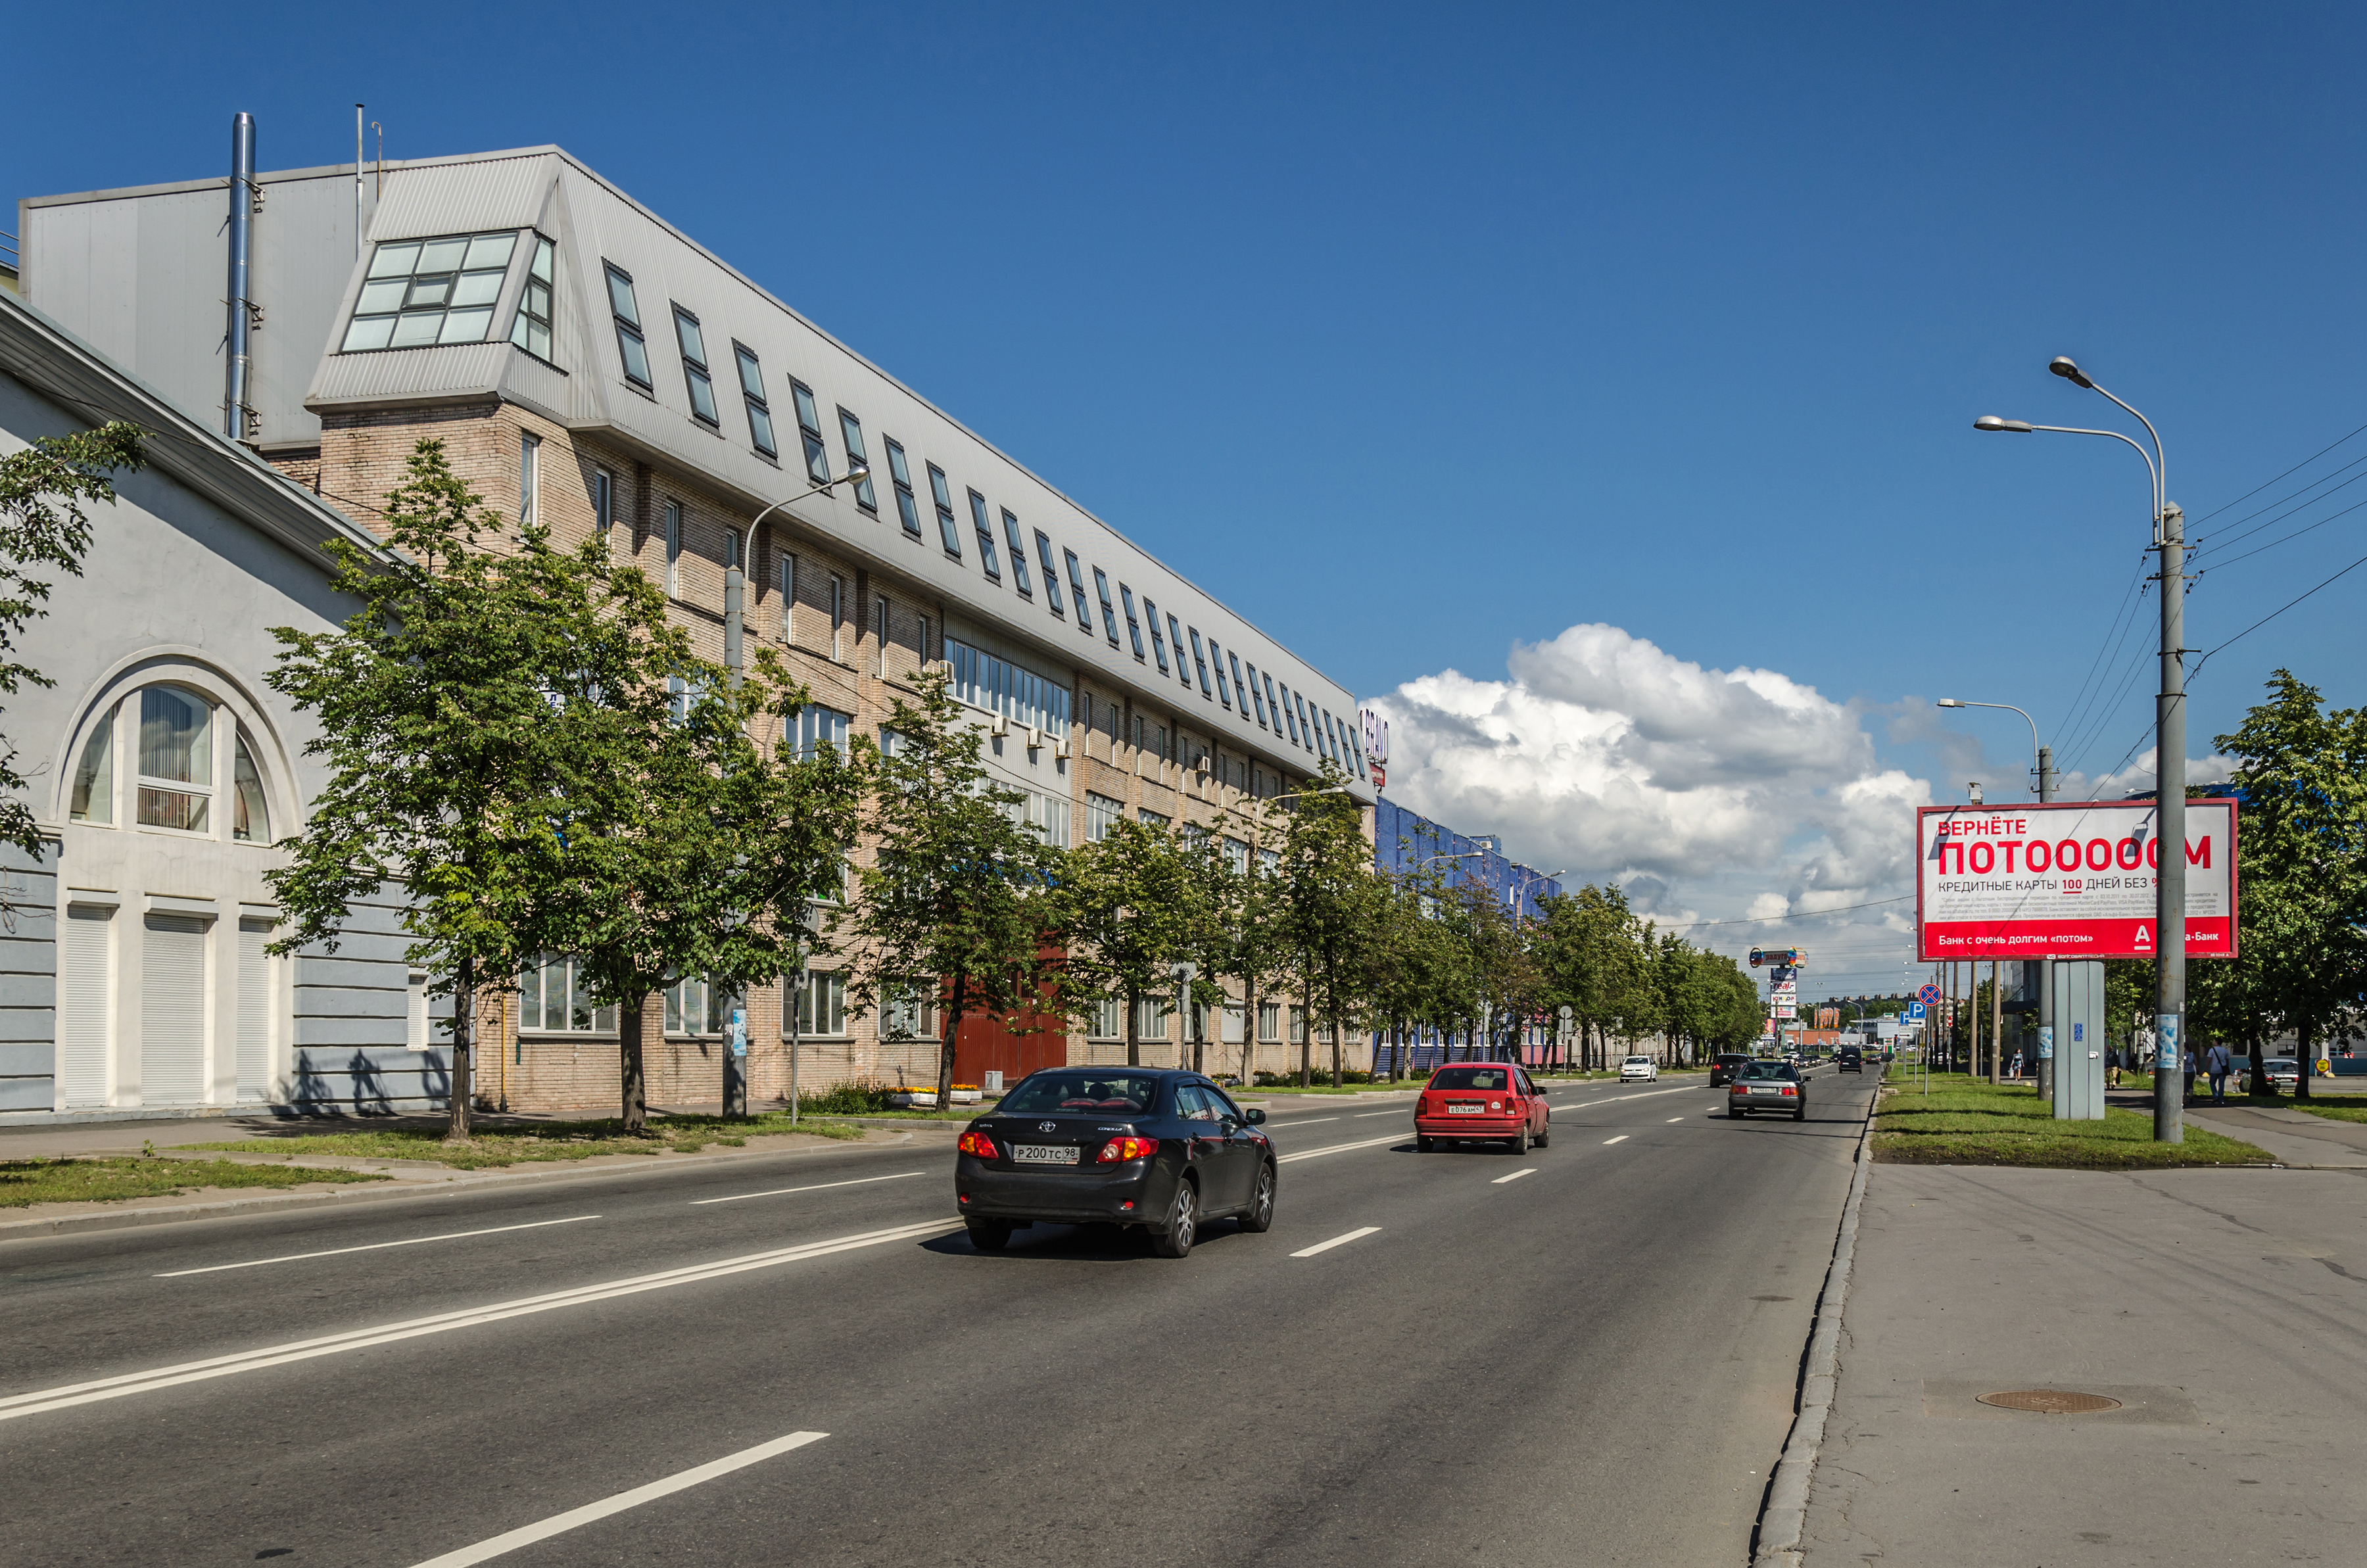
2169, 801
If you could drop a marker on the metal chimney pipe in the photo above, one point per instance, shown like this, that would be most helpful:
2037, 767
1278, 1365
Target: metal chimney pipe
241, 225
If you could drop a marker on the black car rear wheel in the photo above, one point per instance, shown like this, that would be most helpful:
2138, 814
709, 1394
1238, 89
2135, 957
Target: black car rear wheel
1423, 1145
1734, 1113
1258, 1215
1521, 1141
1183, 1223
1545, 1132
989, 1236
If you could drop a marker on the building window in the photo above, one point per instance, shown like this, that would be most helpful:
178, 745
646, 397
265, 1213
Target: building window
752, 392
250, 813
1175, 636
819, 725
1158, 642
1250, 687
1076, 587
809, 430
822, 1004
529, 450
1156, 818
899, 477
1051, 577
531, 331
1133, 626
1273, 705
555, 997
94, 781
1109, 1019
946, 530
837, 617
1240, 688
1269, 1022
788, 570
850, 429
420, 292
998, 685
1109, 611
1150, 1016
604, 501
1019, 554
699, 1006
909, 1012
1200, 662
673, 549
986, 552
1217, 657
1297, 1023
1102, 814
1306, 725
1048, 813
627, 313
879, 634
177, 760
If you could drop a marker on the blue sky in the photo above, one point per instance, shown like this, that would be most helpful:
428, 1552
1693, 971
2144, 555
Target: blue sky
1419, 332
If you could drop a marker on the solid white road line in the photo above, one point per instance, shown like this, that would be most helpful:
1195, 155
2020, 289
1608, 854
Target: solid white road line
1339, 1148
559, 1524
1398, 1111
43, 1400
816, 1187
1308, 1123
1335, 1241
1514, 1177
1620, 1139
374, 1246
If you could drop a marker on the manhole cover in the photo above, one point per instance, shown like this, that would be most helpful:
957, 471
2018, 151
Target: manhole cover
2050, 1401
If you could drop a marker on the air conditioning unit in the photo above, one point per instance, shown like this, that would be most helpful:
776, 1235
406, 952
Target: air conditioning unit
1001, 725
1060, 749
1034, 737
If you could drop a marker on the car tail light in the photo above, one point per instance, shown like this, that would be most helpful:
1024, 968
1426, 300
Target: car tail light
1119, 1150
982, 1145
1789, 1090
1425, 1108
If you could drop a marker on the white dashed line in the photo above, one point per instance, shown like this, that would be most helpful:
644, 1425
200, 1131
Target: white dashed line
1514, 1177
1308, 1123
1620, 1139
374, 1246
1338, 1148
1361, 1115
1675, 1119
818, 1187
1335, 1241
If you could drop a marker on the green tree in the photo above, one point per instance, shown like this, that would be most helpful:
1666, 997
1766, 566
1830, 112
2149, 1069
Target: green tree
959, 888
454, 759
43, 491
1330, 902
1130, 907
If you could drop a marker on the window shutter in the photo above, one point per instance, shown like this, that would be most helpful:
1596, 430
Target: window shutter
82, 1004
172, 1011
254, 1011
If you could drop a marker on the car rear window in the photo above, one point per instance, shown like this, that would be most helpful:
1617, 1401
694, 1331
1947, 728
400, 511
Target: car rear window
1784, 1070
1639, 1061
1493, 1079
1092, 1094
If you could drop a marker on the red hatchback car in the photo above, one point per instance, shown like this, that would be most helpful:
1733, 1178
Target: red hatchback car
1493, 1101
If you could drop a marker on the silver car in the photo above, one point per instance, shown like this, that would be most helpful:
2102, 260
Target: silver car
1768, 1085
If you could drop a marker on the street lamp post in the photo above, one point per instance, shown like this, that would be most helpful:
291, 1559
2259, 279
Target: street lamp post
2170, 755
2044, 769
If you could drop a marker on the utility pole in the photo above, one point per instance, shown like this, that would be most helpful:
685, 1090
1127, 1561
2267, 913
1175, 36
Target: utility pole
2046, 965
2169, 802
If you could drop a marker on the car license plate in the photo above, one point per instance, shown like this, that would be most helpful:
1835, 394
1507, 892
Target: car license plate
1465, 1109
1045, 1154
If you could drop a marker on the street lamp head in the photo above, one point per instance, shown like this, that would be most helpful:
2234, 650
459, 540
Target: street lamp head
1993, 423
856, 473
1950, 702
2063, 366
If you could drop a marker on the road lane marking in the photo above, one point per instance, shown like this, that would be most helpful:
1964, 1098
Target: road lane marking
1675, 1119
1361, 1115
43, 1400
1681, 1089
1308, 1123
1339, 1148
1620, 1139
1335, 1241
373, 1246
818, 1187
1514, 1177
559, 1524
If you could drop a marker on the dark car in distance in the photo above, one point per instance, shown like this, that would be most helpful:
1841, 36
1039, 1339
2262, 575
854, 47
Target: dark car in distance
1851, 1059
1152, 1148
1724, 1064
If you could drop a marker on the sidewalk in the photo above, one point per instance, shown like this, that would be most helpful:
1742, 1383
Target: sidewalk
2227, 1310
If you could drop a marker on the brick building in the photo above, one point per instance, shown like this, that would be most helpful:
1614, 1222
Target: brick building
585, 361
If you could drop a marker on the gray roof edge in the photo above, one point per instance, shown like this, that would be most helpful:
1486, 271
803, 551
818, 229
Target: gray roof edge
216, 466
274, 176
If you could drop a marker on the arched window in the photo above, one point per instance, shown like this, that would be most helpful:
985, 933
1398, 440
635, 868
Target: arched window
188, 765
177, 760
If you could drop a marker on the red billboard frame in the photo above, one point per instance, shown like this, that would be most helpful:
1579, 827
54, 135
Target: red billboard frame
2213, 936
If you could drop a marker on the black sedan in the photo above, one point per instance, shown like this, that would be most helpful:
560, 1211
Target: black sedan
1724, 1064
1154, 1148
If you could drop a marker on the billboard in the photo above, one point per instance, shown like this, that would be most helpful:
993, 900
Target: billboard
2070, 880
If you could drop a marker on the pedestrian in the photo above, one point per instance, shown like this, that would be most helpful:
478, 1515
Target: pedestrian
2216, 1062
2111, 1068
2189, 1064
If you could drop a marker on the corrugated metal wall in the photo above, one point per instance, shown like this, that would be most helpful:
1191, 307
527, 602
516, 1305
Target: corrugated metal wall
28, 982
351, 1017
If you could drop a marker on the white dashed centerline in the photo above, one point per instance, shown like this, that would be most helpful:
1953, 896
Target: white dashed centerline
1308, 1123
1514, 1177
559, 1524
1339, 1148
1673, 1120
1335, 1241
1361, 1115
374, 1246
1620, 1139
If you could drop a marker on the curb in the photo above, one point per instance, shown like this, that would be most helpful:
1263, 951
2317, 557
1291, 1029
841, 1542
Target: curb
456, 1184
1783, 1515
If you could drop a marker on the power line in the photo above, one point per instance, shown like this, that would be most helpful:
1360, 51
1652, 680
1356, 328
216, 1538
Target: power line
2280, 539
2094, 664
2079, 720
2280, 610
2264, 484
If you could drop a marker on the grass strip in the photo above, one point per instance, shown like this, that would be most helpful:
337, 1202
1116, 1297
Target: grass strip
1969, 1121
501, 1144
23, 1182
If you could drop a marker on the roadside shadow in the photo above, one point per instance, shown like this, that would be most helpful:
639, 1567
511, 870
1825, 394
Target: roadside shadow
1050, 1241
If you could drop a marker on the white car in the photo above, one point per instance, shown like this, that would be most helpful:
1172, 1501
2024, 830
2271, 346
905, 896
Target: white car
1639, 1067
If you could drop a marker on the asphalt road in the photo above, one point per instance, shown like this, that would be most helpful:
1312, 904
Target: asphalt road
1593, 1363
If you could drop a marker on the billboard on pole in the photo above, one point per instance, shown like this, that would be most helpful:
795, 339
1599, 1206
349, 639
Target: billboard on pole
2069, 880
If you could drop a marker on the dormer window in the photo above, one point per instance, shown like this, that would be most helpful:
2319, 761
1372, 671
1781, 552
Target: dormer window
420, 293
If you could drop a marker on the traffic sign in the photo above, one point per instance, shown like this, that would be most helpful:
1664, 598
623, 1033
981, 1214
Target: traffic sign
1928, 996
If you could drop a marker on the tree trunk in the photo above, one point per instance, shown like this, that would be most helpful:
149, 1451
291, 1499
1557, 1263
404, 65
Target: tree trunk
1339, 1065
1305, 1042
464, 1036
2305, 1060
634, 1093
947, 1042
1133, 1028
2259, 1073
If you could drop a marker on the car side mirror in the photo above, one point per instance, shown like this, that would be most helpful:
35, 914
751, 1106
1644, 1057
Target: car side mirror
1253, 1115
